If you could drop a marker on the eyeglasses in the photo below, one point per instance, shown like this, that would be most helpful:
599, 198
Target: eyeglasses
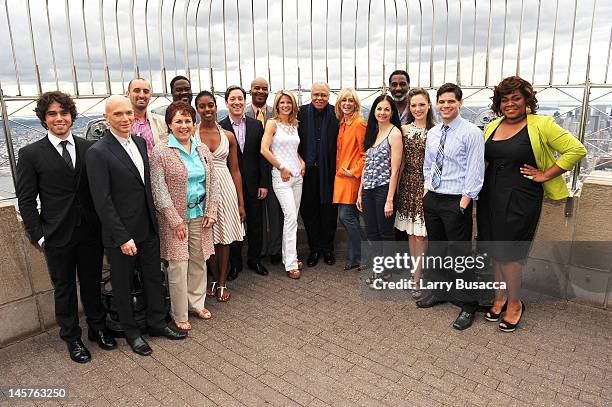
320, 95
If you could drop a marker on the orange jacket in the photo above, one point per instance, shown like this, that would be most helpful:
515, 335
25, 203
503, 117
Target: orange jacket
351, 156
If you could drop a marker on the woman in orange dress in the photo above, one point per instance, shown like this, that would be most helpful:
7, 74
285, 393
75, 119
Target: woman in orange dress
350, 158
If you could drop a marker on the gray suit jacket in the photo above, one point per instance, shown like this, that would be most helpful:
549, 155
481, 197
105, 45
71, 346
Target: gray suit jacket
250, 113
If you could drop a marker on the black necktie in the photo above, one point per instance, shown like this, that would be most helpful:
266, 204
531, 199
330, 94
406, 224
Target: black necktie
66, 154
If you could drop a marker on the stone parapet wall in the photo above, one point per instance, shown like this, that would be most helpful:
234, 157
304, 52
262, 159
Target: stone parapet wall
571, 257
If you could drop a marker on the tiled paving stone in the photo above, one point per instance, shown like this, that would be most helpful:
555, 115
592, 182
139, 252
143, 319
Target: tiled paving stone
326, 340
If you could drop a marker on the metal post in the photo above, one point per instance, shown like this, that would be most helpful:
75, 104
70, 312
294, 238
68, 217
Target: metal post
583, 120
9, 140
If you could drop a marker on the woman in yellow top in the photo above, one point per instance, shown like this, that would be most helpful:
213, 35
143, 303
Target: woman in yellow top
350, 158
521, 169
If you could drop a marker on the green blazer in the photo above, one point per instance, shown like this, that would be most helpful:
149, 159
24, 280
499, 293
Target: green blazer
547, 137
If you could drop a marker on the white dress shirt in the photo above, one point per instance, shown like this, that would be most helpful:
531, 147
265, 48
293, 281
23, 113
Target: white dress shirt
131, 149
56, 142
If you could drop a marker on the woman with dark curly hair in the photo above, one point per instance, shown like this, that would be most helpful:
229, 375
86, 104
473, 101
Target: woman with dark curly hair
522, 168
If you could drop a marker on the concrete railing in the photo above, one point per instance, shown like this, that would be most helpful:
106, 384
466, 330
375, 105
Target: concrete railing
571, 258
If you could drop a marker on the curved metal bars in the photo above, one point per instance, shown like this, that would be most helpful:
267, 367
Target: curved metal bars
554, 41
486, 80
340, 32
459, 42
520, 37
210, 70
197, 40
369, 14
535, 47
238, 35
224, 44
326, 27
173, 38
569, 65
420, 38
186, 40
445, 42
119, 45
160, 28
52, 45
473, 46
133, 38
87, 48
268, 38
283, 39
75, 82
407, 38
10, 30
104, 54
503, 55
147, 41
355, 42
433, 36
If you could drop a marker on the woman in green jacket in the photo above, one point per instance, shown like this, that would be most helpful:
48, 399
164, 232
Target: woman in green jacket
521, 169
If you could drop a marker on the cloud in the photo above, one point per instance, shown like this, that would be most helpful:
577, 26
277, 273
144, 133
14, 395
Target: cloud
273, 21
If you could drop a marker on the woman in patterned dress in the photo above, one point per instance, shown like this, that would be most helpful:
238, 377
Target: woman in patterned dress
230, 215
409, 217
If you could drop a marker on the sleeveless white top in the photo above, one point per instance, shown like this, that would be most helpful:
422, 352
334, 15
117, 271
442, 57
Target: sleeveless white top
285, 148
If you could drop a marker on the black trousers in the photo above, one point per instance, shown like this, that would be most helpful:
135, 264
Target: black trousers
320, 219
449, 233
379, 228
254, 231
81, 257
122, 276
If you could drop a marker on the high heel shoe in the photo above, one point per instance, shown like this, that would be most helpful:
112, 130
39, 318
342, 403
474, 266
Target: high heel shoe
493, 317
511, 327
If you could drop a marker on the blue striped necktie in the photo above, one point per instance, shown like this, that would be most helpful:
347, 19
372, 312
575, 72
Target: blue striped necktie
436, 177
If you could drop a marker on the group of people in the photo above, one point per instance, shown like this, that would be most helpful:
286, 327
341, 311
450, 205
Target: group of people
177, 185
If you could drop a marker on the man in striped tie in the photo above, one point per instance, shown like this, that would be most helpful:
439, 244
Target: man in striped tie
454, 172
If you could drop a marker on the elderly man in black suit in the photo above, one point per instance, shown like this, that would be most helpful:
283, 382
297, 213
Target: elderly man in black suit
318, 131
256, 177
67, 228
119, 179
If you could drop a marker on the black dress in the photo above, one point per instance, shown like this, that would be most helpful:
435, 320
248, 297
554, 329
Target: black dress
509, 204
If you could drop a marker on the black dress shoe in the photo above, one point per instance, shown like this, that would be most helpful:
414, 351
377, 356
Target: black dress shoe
232, 274
139, 346
464, 320
275, 259
313, 259
258, 268
329, 258
167, 332
78, 352
103, 338
429, 301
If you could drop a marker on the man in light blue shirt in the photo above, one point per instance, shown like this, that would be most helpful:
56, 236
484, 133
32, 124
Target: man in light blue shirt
454, 172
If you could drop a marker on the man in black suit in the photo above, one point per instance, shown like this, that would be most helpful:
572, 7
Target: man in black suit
67, 228
256, 177
120, 184
318, 133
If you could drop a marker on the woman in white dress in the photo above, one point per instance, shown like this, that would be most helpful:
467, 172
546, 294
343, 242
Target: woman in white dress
230, 215
280, 147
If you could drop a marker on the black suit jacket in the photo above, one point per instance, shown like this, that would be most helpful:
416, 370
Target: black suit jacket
64, 193
332, 138
254, 168
123, 202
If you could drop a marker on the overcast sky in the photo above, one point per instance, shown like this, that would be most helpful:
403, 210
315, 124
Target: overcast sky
296, 35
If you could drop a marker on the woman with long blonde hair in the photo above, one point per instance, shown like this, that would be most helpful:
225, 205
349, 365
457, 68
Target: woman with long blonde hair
280, 147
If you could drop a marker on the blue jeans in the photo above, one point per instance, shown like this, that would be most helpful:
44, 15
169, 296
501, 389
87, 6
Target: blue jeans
349, 217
